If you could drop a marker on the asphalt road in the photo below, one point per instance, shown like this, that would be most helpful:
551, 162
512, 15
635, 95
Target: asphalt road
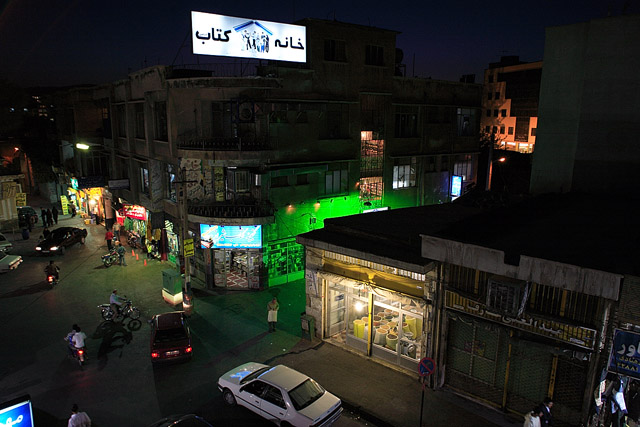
118, 386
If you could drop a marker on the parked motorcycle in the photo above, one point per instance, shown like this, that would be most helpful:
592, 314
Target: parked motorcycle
133, 240
126, 310
111, 258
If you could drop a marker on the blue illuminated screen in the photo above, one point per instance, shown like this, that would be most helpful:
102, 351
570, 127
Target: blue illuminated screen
17, 412
230, 236
456, 185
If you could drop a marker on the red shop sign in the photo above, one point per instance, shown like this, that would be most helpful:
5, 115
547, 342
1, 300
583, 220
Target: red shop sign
135, 212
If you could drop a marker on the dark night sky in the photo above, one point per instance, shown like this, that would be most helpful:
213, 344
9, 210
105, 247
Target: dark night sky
72, 42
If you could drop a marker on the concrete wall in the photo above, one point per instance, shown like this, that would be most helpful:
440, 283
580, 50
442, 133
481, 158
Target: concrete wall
589, 111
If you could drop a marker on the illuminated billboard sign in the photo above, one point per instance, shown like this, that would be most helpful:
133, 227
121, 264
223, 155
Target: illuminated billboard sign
17, 412
230, 236
456, 185
247, 38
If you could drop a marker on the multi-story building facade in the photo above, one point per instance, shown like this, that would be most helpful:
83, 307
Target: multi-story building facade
510, 103
265, 157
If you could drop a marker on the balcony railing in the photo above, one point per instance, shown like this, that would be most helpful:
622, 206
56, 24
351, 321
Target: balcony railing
230, 210
224, 144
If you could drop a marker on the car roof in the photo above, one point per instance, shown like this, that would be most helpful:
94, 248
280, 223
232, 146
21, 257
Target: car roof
284, 377
170, 320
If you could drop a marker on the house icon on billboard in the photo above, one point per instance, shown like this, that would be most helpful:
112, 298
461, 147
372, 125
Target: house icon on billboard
255, 36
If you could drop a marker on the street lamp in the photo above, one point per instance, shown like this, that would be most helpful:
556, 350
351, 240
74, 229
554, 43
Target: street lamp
82, 146
491, 162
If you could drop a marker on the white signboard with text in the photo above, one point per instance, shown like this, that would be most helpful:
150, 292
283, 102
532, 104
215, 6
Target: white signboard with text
247, 38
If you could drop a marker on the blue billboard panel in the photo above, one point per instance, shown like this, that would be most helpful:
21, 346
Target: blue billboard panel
17, 412
230, 236
624, 358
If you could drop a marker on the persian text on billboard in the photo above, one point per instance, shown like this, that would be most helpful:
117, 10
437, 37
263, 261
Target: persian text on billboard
247, 38
230, 236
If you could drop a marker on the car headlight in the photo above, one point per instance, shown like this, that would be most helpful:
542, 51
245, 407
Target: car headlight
38, 248
54, 248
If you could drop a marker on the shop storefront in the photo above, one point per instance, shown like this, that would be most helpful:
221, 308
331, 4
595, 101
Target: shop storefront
88, 202
397, 335
135, 223
172, 242
511, 362
233, 254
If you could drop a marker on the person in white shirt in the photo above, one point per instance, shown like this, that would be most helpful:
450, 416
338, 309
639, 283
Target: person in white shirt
618, 406
78, 419
115, 302
78, 338
532, 419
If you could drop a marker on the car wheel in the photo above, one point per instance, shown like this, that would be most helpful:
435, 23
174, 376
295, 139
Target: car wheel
228, 397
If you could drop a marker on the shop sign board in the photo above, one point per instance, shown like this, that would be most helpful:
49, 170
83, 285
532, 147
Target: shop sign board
90, 182
456, 185
221, 35
65, 205
135, 212
188, 247
17, 412
230, 236
21, 199
118, 184
575, 335
625, 354
74, 183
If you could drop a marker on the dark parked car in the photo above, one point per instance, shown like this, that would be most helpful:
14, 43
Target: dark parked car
170, 337
60, 239
26, 214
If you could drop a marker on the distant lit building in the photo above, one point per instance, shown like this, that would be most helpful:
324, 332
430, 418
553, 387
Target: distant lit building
510, 103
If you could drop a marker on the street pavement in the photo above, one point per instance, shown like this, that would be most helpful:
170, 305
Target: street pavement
119, 386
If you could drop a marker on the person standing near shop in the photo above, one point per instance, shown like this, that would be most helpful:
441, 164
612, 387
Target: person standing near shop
78, 419
43, 215
54, 212
116, 229
49, 216
547, 419
272, 314
618, 405
120, 249
108, 236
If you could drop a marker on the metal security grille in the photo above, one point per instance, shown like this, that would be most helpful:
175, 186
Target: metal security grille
475, 360
529, 374
571, 381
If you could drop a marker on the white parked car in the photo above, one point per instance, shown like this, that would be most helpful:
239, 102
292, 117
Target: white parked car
280, 394
9, 262
5, 244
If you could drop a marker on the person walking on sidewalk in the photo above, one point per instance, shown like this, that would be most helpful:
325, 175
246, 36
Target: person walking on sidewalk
120, 249
43, 215
49, 218
54, 212
532, 419
78, 419
108, 236
272, 316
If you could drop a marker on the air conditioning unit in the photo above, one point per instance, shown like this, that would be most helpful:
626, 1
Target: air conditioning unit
246, 112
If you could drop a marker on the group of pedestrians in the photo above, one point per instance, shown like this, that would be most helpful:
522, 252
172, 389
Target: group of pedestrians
540, 416
113, 237
49, 216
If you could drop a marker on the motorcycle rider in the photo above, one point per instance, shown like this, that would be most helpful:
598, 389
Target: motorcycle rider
115, 302
52, 270
75, 339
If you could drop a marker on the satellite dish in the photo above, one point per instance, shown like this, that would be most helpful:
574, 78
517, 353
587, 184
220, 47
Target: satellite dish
245, 112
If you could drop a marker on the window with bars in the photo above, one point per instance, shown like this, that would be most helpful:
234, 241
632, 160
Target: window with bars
335, 50
160, 115
374, 55
121, 118
404, 173
138, 109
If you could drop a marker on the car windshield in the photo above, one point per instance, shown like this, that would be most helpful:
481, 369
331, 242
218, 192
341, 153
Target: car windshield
305, 394
255, 374
168, 335
58, 234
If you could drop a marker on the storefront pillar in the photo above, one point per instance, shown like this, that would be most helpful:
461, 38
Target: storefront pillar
370, 323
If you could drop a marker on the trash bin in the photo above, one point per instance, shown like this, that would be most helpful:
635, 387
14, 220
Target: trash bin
308, 326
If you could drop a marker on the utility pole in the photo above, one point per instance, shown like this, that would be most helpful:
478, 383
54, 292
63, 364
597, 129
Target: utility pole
187, 294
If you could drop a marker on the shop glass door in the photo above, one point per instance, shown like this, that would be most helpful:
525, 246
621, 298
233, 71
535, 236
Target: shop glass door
336, 312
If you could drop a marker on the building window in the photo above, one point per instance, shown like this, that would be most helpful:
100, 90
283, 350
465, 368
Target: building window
510, 130
138, 109
494, 129
336, 181
279, 181
144, 180
487, 129
495, 112
336, 122
503, 112
121, 118
302, 179
533, 131
404, 173
508, 298
406, 125
374, 55
171, 180
490, 78
335, 50
497, 95
490, 96
488, 113
501, 130
466, 118
160, 114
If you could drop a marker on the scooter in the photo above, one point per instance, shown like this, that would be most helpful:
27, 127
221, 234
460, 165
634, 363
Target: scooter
78, 353
51, 280
111, 258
